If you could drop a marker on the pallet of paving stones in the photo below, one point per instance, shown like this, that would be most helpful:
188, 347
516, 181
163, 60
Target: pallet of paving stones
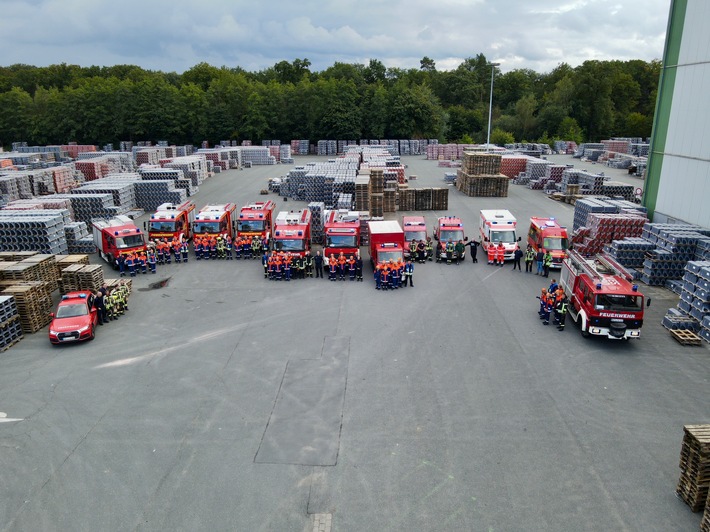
694, 482
10, 332
8, 308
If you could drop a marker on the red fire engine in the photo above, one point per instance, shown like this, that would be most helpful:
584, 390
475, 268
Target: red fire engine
256, 219
117, 236
342, 233
292, 232
414, 229
447, 229
386, 241
215, 220
548, 235
602, 297
172, 221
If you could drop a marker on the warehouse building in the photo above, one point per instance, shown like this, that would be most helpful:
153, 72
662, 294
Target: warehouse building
678, 177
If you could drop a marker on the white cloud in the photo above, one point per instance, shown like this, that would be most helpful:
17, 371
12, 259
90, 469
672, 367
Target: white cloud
174, 35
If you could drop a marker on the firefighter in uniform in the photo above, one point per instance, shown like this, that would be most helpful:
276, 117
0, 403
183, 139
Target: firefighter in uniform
547, 263
358, 267
151, 260
421, 252
264, 263
408, 273
143, 262
460, 249
131, 263
176, 250
385, 276
529, 259
238, 247
332, 266
308, 263
220, 247
121, 260
228, 247
318, 264
166, 251
449, 251
351, 267
429, 248
378, 276
184, 251
561, 312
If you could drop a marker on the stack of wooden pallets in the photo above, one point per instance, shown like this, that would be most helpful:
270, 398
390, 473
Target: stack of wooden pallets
695, 466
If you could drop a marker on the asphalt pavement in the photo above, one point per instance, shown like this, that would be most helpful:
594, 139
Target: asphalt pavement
224, 401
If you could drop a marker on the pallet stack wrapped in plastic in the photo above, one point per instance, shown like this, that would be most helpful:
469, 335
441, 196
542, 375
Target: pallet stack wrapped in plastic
512, 165
257, 155
120, 186
152, 193
98, 167
630, 251
64, 179
694, 482
176, 175
285, 154
118, 161
15, 185
693, 309
37, 230
602, 228
317, 209
78, 238
584, 207
676, 245
10, 326
616, 145
148, 155
194, 167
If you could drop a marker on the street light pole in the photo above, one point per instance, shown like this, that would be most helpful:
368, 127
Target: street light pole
490, 108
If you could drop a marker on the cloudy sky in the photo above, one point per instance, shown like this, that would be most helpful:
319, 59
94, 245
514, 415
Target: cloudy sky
173, 35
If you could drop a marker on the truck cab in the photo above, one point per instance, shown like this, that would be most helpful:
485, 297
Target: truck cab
386, 242
172, 221
342, 233
448, 229
548, 235
292, 232
414, 229
256, 219
117, 236
602, 298
215, 220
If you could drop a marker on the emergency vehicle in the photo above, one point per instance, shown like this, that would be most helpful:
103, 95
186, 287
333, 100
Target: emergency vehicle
602, 296
117, 236
386, 242
215, 220
499, 225
547, 235
256, 219
342, 233
172, 221
292, 232
448, 229
414, 229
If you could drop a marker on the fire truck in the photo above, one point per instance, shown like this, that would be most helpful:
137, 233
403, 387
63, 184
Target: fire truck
448, 229
117, 236
602, 296
292, 232
548, 235
498, 225
172, 221
256, 219
215, 220
414, 229
342, 233
386, 241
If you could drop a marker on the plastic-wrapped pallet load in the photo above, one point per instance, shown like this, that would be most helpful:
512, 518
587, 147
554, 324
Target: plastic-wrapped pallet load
10, 326
41, 231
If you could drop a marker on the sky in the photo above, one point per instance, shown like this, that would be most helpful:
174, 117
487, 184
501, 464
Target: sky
175, 35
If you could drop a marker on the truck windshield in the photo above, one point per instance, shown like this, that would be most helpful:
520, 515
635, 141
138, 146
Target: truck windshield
554, 243
162, 226
291, 244
129, 241
341, 241
450, 235
507, 237
415, 235
207, 227
618, 302
386, 256
251, 225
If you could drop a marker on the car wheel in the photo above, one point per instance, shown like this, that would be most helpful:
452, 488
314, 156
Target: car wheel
93, 333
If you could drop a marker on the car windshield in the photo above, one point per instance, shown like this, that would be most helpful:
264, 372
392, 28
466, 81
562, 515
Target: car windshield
207, 227
555, 243
130, 241
618, 302
72, 310
251, 225
291, 244
415, 235
507, 237
341, 241
451, 235
162, 226
386, 256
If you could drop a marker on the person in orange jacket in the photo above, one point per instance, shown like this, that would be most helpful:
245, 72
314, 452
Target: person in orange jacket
332, 267
492, 253
500, 253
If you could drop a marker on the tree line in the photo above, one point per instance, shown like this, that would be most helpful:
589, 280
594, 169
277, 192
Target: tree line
100, 105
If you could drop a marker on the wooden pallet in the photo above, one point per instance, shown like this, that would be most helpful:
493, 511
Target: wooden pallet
686, 337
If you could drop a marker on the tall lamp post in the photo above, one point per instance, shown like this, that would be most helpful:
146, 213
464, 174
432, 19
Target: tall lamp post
490, 107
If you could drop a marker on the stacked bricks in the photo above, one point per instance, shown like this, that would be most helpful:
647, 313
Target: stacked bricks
317, 209
694, 466
602, 228
512, 165
694, 301
676, 245
480, 176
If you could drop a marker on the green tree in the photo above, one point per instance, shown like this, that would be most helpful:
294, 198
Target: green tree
15, 115
500, 137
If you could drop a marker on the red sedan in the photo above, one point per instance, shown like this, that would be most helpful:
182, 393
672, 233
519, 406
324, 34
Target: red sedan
75, 319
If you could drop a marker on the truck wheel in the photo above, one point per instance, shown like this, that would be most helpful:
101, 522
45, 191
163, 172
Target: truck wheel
111, 261
585, 333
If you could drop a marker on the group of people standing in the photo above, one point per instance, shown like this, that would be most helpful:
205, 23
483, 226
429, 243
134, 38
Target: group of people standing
393, 274
214, 247
110, 303
553, 302
134, 263
281, 266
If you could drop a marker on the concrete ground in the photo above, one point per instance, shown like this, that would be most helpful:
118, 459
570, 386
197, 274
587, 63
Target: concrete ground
224, 401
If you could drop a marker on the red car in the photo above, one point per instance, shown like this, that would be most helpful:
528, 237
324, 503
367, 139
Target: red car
75, 319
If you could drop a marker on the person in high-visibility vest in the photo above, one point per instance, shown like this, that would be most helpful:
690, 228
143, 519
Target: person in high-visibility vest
547, 263
529, 259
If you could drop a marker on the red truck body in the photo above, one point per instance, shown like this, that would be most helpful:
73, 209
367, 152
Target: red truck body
602, 297
386, 241
342, 233
172, 221
256, 219
117, 236
292, 232
414, 229
548, 235
216, 220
